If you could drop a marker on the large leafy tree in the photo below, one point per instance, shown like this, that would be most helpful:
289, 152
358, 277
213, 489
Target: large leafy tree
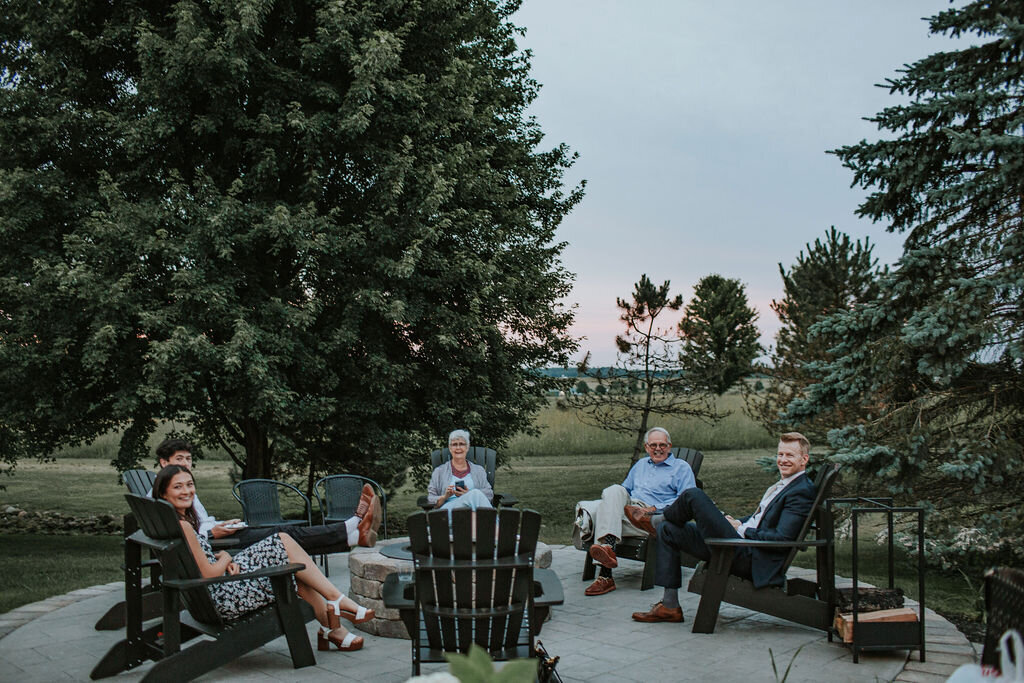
829, 276
719, 333
647, 359
321, 234
935, 366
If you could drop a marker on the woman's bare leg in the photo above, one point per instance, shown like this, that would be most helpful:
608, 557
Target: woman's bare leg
314, 579
311, 575
315, 601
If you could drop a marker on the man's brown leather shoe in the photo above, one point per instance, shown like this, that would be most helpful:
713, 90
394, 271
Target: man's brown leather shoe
604, 555
369, 524
601, 585
640, 518
660, 613
363, 506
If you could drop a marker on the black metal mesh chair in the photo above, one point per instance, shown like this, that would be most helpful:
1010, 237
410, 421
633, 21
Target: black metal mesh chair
261, 503
1004, 609
338, 495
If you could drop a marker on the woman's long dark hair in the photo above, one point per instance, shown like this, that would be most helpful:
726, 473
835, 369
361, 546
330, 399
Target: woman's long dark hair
163, 481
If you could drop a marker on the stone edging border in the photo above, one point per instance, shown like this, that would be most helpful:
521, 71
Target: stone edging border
19, 616
947, 648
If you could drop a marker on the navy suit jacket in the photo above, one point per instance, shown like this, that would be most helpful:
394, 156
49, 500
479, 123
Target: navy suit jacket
782, 521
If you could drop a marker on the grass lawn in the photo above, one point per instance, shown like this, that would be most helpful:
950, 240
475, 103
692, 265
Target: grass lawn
549, 484
36, 567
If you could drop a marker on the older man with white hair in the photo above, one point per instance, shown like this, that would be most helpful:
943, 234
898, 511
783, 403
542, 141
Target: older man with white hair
652, 484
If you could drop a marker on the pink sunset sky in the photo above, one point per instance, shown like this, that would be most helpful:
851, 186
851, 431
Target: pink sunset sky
702, 130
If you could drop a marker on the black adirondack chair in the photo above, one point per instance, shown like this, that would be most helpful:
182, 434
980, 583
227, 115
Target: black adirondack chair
642, 548
338, 495
811, 603
183, 585
139, 482
486, 458
261, 502
485, 592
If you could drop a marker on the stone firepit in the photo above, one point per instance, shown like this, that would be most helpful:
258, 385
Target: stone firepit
368, 569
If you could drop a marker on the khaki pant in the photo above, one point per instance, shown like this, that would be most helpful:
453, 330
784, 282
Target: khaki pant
610, 518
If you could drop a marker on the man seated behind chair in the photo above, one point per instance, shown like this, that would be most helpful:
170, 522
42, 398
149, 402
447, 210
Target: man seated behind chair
652, 483
360, 529
692, 518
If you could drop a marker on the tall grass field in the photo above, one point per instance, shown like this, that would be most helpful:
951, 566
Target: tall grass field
563, 433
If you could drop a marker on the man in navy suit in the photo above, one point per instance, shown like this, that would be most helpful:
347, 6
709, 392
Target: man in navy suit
693, 517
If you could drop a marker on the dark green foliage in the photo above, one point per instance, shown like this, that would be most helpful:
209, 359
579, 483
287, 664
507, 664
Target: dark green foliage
646, 379
582, 387
834, 275
720, 337
934, 368
319, 234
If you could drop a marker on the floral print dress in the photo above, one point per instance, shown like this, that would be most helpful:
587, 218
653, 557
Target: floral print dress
235, 599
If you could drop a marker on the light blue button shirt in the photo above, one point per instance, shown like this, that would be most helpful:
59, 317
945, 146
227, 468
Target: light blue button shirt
659, 484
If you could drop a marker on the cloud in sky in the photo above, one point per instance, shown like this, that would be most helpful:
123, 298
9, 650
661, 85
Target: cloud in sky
702, 129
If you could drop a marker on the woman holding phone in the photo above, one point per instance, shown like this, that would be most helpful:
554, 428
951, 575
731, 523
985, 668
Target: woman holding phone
459, 483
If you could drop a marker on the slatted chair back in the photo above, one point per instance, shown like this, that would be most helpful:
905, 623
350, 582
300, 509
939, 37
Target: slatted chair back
338, 495
139, 482
1004, 610
691, 456
485, 457
261, 503
158, 520
478, 592
823, 482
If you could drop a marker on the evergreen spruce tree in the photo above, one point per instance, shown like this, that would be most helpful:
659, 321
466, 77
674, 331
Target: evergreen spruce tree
319, 234
934, 367
833, 275
648, 359
720, 337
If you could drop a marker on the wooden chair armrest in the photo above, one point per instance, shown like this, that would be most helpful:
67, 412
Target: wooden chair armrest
753, 543
424, 504
152, 543
266, 572
518, 561
547, 589
505, 499
397, 595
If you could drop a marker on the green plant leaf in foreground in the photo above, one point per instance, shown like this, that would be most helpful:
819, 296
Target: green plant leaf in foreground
477, 667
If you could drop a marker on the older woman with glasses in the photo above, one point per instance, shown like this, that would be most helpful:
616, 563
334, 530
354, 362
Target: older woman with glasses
459, 483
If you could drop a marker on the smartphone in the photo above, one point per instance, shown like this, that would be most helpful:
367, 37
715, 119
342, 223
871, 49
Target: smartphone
460, 485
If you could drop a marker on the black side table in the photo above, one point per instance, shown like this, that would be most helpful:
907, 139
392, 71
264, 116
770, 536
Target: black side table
884, 635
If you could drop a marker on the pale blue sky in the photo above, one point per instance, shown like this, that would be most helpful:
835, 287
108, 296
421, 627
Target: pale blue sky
702, 128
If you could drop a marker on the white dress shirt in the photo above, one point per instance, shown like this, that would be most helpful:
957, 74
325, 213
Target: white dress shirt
766, 500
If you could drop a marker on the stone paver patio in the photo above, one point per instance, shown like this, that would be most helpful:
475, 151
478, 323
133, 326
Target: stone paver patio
54, 640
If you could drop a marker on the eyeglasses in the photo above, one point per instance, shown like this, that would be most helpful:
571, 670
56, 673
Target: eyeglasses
657, 446
458, 443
